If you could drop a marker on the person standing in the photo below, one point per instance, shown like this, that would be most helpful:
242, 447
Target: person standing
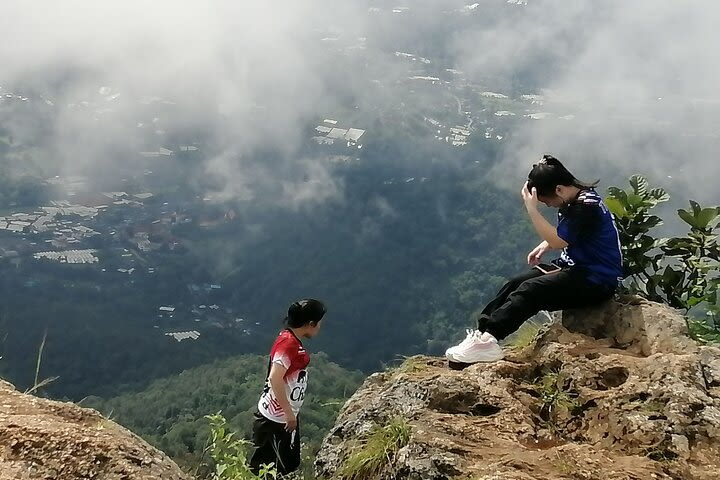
276, 429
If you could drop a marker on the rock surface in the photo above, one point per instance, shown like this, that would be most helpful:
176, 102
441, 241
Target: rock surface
44, 439
635, 324
611, 405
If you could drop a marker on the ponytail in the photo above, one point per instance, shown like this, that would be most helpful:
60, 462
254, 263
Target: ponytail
304, 311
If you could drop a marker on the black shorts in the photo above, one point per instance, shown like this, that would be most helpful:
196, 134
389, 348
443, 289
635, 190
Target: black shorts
274, 444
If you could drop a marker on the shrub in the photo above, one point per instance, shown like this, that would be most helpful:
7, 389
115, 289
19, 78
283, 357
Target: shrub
680, 271
229, 454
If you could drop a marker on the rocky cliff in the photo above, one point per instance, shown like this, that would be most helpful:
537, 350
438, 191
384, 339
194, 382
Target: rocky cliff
617, 392
43, 439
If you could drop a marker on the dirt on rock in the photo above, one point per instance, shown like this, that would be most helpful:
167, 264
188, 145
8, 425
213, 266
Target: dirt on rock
44, 439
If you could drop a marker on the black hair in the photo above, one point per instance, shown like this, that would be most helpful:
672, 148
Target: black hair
305, 311
549, 173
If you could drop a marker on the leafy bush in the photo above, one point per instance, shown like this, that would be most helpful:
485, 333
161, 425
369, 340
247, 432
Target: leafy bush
641, 254
229, 454
554, 395
680, 271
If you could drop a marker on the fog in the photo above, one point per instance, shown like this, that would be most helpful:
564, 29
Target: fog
636, 82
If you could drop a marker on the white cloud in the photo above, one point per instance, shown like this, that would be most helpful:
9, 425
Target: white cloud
640, 77
246, 74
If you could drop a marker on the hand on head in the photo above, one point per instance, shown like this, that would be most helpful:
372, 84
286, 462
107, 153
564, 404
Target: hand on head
529, 197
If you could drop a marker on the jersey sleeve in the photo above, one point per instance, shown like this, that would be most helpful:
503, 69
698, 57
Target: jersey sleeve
283, 354
580, 219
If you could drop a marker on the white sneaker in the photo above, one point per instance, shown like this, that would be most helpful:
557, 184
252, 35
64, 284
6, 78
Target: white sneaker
475, 348
487, 337
469, 340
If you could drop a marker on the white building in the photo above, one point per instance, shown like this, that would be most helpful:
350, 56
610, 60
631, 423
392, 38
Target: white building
180, 336
69, 256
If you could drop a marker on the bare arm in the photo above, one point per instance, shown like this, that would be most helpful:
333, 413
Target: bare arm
544, 245
545, 229
277, 373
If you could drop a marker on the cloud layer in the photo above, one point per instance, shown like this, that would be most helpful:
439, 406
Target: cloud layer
640, 79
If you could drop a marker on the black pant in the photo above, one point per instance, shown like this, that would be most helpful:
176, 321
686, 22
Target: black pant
527, 294
275, 445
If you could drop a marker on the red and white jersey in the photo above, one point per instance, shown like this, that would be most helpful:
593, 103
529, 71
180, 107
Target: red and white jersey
289, 352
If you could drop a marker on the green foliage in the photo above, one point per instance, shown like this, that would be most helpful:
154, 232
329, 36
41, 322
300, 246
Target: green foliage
414, 364
705, 331
680, 271
524, 336
634, 221
699, 256
229, 454
378, 450
551, 387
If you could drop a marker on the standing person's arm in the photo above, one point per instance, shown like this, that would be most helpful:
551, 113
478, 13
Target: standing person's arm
277, 383
545, 229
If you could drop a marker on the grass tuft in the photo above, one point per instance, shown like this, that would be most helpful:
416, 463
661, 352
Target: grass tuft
554, 397
524, 336
38, 384
377, 451
529, 331
412, 365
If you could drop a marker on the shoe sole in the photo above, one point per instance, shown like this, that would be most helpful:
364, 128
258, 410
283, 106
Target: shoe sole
453, 365
453, 360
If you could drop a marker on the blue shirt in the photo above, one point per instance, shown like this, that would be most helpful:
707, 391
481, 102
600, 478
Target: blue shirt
589, 229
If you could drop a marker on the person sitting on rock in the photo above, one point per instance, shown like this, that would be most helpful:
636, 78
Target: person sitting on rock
276, 430
588, 271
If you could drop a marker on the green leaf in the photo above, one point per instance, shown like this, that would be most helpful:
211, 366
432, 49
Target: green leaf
707, 215
659, 195
672, 277
635, 200
651, 286
650, 222
660, 242
713, 252
616, 207
639, 185
695, 207
618, 194
646, 242
687, 217
700, 218
683, 243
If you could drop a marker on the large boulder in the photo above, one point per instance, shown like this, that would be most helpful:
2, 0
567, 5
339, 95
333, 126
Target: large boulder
44, 439
569, 405
635, 324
